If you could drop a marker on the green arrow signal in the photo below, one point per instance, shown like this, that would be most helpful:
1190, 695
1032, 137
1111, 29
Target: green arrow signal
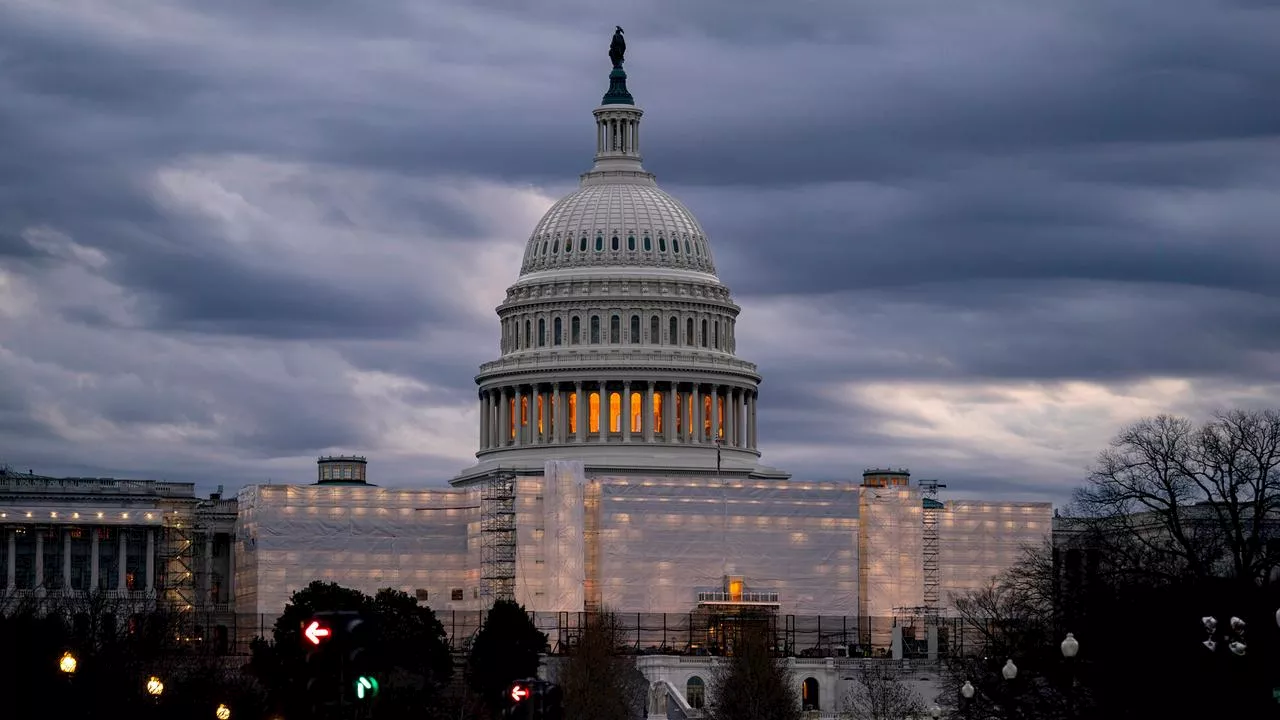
366, 687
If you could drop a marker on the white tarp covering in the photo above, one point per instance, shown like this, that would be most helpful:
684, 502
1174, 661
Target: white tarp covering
359, 536
563, 542
980, 539
661, 540
892, 538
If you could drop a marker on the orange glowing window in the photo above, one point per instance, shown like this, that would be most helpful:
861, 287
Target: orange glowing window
637, 408
680, 425
573, 412
511, 415
657, 413
720, 413
540, 411
615, 412
593, 412
524, 411
706, 415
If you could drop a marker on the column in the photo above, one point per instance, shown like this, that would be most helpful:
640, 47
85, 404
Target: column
484, 419
647, 417
626, 411
751, 417
66, 560
11, 569
504, 419
580, 410
206, 592
39, 560
558, 411
122, 582
518, 416
151, 560
735, 397
715, 413
696, 425
94, 582
603, 420
669, 411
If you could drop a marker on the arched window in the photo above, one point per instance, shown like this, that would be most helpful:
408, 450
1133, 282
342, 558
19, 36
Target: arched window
544, 248
809, 694
614, 243
575, 330
593, 412
556, 334
715, 336
675, 245
648, 244
631, 242
655, 330
706, 416
662, 244
555, 247
568, 244
688, 332
686, 246
704, 333
635, 330
679, 415
517, 324
695, 693
673, 336
542, 332
595, 329
582, 244
615, 412
573, 413
528, 334
599, 243
657, 412
615, 329
637, 407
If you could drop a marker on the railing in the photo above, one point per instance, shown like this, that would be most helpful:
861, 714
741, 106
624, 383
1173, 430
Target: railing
570, 358
719, 596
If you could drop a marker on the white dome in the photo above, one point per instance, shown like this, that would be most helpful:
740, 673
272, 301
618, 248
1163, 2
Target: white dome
618, 224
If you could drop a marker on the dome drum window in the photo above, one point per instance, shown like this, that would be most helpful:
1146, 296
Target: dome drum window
615, 330
634, 337
631, 243
614, 243
648, 244
662, 244
599, 243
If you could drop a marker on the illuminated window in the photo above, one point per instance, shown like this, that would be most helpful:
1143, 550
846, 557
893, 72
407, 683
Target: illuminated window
573, 412
648, 244
615, 412
511, 414
679, 415
524, 411
688, 332
720, 404
695, 693
575, 330
673, 334
635, 330
688, 411
655, 330
662, 244
615, 329
631, 242
637, 406
593, 413
704, 333
706, 413
541, 412
657, 412
542, 332
809, 694
556, 332
595, 329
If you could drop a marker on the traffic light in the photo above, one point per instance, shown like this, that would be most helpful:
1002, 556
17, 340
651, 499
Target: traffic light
533, 699
341, 660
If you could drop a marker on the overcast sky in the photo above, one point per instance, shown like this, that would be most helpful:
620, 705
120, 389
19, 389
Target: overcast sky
970, 238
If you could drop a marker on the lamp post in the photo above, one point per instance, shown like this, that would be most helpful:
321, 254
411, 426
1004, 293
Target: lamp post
68, 664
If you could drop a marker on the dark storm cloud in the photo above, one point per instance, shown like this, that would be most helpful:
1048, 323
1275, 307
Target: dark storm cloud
989, 193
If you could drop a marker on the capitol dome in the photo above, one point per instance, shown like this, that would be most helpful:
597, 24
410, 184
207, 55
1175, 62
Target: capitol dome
617, 341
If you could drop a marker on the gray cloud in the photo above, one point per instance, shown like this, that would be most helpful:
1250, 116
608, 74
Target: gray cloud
972, 240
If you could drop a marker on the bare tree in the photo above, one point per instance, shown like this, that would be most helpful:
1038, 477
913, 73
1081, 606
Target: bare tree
751, 683
1175, 500
881, 694
598, 682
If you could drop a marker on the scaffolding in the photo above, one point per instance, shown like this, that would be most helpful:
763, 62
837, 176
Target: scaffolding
929, 544
498, 530
177, 579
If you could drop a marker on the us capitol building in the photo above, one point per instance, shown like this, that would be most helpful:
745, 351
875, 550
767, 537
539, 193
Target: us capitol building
618, 463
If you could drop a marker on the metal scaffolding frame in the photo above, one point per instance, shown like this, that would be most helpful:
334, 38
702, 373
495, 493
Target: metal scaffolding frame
929, 545
498, 531
177, 581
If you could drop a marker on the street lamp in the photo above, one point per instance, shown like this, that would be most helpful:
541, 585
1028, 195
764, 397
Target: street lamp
967, 690
222, 713
154, 687
1070, 646
1010, 671
68, 663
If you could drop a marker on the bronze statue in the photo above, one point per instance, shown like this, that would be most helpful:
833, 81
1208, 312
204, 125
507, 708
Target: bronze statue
618, 47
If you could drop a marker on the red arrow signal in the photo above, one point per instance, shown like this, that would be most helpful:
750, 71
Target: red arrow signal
316, 632
519, 693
